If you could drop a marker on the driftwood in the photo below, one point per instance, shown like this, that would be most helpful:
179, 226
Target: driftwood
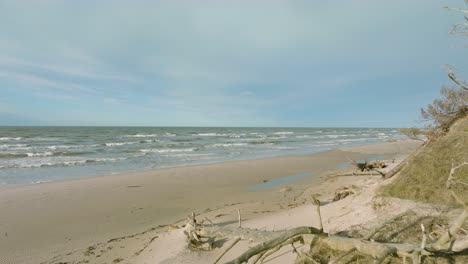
342, 193
271, 244
233, 243
451, 181
193, 232
316, 202
369, 165
239, 218
370, 173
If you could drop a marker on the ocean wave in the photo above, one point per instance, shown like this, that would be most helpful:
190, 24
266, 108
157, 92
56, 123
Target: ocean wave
189, 155
38, 182
39, 154
54, 147
116, 144
62, 163
10, 138
226, 145
170, 135
337, 136
166, 150
237, 135
9, 146
353, 139
283, 133
263, 142
141, 135
274, 137
211, 135
284, 148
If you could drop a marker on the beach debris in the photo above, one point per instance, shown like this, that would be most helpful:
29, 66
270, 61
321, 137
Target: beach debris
316, 202
369, 165
231, 245
340, 194
239, 217
193, 232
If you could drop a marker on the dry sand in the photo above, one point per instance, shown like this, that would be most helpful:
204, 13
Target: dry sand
125, 218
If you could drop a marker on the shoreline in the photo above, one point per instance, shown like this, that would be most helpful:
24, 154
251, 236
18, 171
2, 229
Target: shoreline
97, 209
149, 170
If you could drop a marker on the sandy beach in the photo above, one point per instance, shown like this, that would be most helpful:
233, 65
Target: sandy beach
119, 218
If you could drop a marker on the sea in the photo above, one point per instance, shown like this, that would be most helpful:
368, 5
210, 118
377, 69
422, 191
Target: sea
42, 154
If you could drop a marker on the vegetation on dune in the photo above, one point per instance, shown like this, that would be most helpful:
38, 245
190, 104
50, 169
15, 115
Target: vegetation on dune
423, 178
443, 112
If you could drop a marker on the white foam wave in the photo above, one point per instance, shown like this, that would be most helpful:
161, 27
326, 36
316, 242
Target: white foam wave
62, 163
10, 138
211, 135
188, 155
38, 182
12, 146
280, 137
228, 145
283, 133
337, 136
353, 139
54, 147
115, 144
142, 135
40, 154
166, 150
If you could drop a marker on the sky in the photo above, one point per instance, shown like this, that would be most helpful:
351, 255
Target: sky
297, 63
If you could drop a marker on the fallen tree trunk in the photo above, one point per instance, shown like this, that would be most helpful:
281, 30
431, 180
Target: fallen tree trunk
275, 242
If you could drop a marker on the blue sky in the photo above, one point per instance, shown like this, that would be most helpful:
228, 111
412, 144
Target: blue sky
354, 63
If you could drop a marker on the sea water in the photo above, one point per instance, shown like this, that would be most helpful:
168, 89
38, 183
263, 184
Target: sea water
39, 154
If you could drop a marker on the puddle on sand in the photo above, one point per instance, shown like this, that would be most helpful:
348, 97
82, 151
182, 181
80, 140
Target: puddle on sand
278, 182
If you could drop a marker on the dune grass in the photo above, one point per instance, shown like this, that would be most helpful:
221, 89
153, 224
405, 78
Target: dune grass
424, 178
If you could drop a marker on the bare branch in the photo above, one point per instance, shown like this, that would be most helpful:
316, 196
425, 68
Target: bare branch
456, 9
274, 243
316, 202
233, 243
451, 178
